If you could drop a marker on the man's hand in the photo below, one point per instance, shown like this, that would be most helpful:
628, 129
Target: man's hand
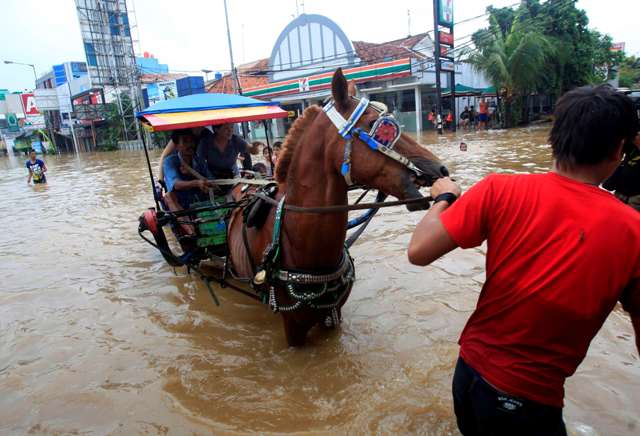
430, 240
203, 185
443, 185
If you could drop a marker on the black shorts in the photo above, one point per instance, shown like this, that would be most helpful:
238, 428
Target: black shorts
483, 410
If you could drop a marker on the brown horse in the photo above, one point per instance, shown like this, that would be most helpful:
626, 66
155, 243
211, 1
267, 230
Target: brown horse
309, 174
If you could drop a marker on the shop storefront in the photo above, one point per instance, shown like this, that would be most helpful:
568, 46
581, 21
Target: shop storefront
298, 73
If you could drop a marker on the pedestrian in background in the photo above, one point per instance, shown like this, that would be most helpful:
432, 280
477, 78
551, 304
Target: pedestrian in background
37, 169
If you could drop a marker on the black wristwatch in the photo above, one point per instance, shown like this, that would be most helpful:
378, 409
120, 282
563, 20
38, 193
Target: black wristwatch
449, 197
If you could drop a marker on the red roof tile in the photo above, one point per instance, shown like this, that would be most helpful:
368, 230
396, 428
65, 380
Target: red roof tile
225, 84
255, 73
370, 52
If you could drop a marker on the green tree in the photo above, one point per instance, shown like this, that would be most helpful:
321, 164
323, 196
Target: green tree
629, 73
514, 62
112, 132
581, 56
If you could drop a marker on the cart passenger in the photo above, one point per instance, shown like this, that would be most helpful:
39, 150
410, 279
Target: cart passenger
220, 151
198, 133
184, 174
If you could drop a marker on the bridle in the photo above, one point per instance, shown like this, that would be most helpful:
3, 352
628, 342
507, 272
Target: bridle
381, 138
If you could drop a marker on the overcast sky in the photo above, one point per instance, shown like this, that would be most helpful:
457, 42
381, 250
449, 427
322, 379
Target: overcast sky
190, 35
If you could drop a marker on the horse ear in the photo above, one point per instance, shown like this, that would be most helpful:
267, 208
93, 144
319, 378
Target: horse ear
339, 89
353, 89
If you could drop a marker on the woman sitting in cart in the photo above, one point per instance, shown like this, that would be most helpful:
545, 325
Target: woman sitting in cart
220, 151
185, 176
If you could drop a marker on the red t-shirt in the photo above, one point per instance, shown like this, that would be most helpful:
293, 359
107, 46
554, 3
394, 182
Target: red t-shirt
559, 254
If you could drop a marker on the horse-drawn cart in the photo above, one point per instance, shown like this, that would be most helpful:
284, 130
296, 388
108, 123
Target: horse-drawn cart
284, 240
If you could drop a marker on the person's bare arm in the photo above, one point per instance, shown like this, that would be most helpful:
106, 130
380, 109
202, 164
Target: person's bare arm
631, 303
183, 185
430, 240
166, 152
30, 176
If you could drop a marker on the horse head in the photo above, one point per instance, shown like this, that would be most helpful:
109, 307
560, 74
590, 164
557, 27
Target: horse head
376, 153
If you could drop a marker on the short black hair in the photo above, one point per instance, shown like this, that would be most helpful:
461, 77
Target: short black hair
590, 122
177, 135
277, 144
259, 167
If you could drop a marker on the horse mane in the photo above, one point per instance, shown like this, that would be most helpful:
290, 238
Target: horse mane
291, 141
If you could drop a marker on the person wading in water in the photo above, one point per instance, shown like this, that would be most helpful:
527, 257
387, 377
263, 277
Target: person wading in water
36, 168
561, 252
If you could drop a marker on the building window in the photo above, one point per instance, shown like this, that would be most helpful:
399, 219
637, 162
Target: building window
90, 51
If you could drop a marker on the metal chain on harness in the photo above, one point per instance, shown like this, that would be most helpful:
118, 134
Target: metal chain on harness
299, 286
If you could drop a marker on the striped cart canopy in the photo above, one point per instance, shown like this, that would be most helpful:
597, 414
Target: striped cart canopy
206, 110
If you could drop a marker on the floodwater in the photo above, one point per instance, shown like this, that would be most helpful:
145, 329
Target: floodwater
99, 336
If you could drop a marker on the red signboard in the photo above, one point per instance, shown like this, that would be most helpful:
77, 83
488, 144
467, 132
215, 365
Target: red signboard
446, 38
444, 52
617, 46
29, 104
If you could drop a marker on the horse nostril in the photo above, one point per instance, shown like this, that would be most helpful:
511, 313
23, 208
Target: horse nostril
444, 171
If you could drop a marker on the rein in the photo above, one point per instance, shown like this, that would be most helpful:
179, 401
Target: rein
345, 208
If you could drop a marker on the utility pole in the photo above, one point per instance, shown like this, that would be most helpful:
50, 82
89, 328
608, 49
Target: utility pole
234, 73
73, 132
436, 57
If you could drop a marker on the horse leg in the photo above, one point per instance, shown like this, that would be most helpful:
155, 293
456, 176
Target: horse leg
296, 333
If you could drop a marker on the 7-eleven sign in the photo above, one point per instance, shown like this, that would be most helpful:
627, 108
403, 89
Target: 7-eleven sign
29, 104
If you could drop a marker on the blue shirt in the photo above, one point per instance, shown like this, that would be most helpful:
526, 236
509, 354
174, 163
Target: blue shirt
37, 170
221, 165
172, 174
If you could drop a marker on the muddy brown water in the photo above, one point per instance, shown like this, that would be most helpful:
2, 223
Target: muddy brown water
98, 336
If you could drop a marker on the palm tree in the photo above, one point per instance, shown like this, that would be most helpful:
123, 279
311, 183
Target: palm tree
515, 62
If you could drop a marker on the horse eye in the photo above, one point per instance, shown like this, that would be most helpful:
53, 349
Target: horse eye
372, 123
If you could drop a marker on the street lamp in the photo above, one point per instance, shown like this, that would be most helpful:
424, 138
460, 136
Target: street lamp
206, 72
35, 76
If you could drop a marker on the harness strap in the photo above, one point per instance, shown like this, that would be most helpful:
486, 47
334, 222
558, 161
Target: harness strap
375, 145
277, 226
245, 240
345, 169
345, 126
307, 278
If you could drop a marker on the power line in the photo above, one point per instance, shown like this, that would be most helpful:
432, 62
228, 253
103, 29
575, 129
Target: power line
420, 62
348, 54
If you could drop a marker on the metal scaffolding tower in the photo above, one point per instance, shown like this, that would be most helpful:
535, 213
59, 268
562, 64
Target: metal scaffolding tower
107, 27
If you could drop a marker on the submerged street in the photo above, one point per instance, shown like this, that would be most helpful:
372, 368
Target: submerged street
99, 335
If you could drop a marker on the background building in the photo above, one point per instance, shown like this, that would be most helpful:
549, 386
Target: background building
147, 64
399, 73
159, 87
55, 93
22, 125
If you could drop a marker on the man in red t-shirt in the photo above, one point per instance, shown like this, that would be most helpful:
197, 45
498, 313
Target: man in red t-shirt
561, 252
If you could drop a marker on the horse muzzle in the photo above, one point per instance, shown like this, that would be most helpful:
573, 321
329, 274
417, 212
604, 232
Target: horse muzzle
411, 191
431, 171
